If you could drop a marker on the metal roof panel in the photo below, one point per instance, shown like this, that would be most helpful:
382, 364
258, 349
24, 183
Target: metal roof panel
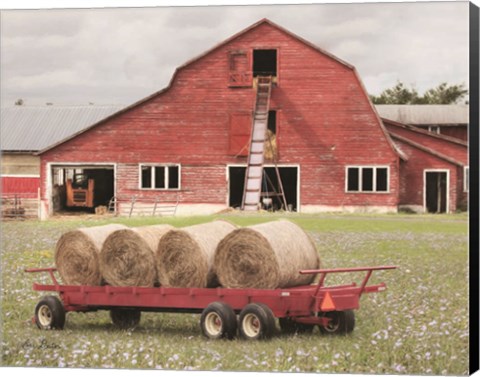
33, 128
425, 114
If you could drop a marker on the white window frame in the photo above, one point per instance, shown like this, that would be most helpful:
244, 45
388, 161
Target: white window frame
165, 166
374, 178
227, 176
465, 176
425, 171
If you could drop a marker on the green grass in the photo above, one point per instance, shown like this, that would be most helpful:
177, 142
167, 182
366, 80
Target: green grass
418, 326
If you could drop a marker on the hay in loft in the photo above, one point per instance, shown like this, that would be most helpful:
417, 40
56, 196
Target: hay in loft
185, 256
76, 254
127, 257
268, 255
270, 146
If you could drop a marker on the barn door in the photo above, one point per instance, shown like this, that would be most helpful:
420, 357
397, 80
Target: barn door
240, 129
436, 191
239, 68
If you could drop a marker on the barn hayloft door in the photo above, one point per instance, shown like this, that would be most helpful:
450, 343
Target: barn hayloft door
254, 177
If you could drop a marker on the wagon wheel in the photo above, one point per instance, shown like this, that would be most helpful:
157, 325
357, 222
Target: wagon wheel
256, 322
49, 313
289, 326
341, 322
218, 320
125, 318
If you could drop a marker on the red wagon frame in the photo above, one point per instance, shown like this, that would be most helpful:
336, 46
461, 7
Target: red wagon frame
298, 308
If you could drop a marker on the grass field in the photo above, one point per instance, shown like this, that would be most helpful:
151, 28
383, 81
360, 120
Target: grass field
418, 326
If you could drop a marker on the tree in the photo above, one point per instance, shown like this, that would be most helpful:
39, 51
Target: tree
398, 95
19, 102
445, 94
401, 95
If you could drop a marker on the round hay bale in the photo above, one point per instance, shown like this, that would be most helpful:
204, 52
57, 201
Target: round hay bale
127, 257
76, 254
268, 255
184, 256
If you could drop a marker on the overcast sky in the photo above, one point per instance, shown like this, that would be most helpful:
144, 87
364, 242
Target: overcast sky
118, 56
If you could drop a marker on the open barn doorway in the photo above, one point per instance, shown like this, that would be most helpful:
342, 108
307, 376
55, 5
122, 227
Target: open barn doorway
436, 191
82, 188
264, 63
270, 202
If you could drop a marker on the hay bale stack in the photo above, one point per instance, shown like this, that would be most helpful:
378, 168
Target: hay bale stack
76, 254
185, 256
268, 256
127, 257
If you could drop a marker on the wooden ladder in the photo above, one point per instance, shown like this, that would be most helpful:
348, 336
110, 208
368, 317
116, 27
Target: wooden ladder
254, 174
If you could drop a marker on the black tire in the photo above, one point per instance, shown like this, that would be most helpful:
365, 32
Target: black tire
125, 319
289, 326
342, 322
256, 322
50, 313
218, 321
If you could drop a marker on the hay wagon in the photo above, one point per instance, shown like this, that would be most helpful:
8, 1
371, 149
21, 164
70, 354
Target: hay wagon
298, 309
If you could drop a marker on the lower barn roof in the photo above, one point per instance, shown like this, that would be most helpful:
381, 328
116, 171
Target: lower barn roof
33, 128
425, 114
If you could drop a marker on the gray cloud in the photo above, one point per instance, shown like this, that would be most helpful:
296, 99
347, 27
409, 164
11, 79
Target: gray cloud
121, 55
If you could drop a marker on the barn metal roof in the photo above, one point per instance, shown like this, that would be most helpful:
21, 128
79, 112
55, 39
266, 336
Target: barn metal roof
33, 128
425, 114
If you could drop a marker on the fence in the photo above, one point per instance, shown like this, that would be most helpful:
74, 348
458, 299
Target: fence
19, 206
140, 206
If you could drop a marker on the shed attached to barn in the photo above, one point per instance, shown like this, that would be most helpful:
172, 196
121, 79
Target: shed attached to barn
25, 130
434, 174
448, 120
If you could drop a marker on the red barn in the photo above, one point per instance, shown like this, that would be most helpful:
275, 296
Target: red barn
189, 142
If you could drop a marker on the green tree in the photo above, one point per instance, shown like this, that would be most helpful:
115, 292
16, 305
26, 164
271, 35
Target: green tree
445, 94
398, 95
401, 95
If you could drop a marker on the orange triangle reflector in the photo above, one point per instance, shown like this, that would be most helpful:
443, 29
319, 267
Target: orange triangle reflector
327, 304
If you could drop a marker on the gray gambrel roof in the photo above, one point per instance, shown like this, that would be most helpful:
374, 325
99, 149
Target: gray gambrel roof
425, 114
33, 128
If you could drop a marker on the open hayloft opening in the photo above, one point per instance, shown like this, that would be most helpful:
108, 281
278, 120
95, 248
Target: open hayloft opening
264, 63
272, 121
270, 187
436, 192
81, 188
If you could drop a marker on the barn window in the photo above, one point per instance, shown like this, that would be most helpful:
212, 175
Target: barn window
166, 177
264, 63
367, 179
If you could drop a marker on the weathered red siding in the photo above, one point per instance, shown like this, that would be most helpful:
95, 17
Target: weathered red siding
324, 122
452, 149
27, 186
459, 132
